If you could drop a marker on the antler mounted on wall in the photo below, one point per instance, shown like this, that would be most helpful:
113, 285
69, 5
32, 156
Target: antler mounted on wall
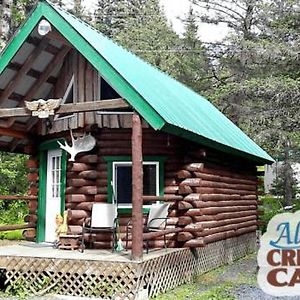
81, 144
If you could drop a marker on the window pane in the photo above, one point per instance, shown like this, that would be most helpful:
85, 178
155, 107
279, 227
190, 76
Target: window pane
149, 180
123, 184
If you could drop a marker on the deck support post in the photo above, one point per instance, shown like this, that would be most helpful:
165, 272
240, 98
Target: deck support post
137, 188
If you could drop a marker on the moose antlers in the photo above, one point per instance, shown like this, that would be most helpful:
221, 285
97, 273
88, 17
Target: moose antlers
81, 144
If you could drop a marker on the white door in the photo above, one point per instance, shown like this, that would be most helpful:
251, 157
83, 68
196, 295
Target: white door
53, 201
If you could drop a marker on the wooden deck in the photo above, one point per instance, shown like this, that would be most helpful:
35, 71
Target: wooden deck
101, 273
44, 250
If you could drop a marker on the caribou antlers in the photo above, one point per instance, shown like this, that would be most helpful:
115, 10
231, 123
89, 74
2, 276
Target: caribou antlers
81, 144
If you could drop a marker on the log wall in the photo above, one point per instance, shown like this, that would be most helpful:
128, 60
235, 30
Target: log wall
213, 196
219, 197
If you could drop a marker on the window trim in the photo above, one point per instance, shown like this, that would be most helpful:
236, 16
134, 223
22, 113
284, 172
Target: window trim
161, 171
129, 163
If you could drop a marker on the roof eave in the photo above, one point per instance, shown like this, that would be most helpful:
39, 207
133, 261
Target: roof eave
258, 160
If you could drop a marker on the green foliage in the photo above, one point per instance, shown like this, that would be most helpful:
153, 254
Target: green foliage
271, 206
13, 178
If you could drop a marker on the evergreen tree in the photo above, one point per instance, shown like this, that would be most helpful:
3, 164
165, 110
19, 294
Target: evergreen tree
147, 33
257, 71
193, 66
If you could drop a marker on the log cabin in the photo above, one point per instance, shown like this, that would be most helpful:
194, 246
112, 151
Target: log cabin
156, 139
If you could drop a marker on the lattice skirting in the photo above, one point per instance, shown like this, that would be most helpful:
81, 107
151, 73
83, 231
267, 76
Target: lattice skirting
123, 280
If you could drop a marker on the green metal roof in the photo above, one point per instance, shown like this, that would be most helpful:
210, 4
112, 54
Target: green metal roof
163, 102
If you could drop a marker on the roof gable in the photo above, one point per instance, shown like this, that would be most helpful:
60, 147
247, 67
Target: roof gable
161, 100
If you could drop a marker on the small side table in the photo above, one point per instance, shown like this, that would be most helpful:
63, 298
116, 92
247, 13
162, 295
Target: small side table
69, 241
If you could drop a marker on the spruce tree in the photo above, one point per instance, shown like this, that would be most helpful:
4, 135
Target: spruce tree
193, 66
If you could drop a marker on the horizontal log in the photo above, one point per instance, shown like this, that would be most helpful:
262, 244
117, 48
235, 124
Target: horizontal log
32, 206
216, 170
207, 204
183, 174
90, 174
241, 220
79, 167
219, 236
184, 190
32, 176
217, 210
194, 243
32, 219
79, 182
171, 189
32, 191
166, 198
127, 151
170, 181
239, 214
79, 198
246, 230
224, 216
76, 221
224, 179
100, 198
207, 190
184, 236
32, 164
87, 190
68, 108
184, 220
78, 214
90, 159
234, 186
74, 229
192, 182
21, 198
194, 227
16, 227
210, 197
29, 234
183, 205
153, 235
194, 167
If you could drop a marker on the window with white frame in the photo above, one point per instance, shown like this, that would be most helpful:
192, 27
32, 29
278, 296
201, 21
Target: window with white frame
122, 181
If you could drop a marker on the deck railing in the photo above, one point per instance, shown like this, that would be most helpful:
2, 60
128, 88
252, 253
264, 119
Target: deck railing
17, 226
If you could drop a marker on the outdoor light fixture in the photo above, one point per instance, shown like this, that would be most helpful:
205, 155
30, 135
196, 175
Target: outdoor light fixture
44, 27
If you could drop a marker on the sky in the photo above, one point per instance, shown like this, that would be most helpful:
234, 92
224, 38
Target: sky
175, 9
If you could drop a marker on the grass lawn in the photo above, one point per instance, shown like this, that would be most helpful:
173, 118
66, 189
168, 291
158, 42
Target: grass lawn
218, 284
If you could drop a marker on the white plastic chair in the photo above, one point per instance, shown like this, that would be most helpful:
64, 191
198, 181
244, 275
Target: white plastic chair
103, 219
156, 221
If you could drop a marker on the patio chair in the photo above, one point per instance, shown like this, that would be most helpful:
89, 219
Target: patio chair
103, 219
156, 221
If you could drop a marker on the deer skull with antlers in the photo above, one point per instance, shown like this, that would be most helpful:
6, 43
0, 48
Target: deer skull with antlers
81, 144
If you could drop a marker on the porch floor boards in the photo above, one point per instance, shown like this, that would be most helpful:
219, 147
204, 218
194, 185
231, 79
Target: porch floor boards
44, 250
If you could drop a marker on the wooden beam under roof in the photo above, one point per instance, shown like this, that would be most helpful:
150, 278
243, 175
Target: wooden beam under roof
42, 79
14, 133
25, 68
32, 73
68, 108
50, 48
56, 36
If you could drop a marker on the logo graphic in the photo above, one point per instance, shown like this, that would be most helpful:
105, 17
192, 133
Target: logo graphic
279, 256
